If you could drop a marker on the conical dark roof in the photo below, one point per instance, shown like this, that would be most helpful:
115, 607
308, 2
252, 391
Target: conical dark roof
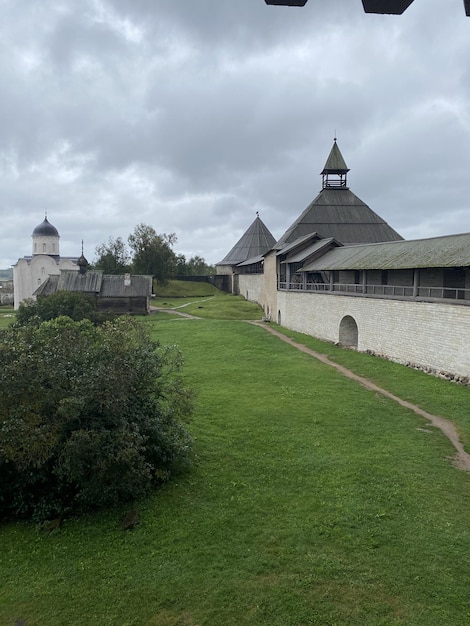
45, 229
337, 212
335, 164
256, 241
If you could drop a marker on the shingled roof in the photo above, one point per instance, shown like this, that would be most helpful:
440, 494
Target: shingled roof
448, 251
97, 283
337, 212
335, 164
256, 241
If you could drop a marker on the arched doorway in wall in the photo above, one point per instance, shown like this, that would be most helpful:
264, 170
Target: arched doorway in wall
348, 332
279, 318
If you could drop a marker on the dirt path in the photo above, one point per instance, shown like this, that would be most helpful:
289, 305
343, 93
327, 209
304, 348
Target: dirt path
155, 309
461, 459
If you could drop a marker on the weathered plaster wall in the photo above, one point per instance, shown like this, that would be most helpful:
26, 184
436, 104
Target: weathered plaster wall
268, 299
427, 334
30, 273
250, 286
261, 288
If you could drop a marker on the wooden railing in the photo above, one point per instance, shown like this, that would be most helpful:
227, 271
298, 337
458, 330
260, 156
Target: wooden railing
398, 291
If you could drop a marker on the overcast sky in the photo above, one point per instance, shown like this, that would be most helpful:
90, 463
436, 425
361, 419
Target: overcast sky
191, 115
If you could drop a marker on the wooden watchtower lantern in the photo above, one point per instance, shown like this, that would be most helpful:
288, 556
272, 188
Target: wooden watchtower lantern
335, 172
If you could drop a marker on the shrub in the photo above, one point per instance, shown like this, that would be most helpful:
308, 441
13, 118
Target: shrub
77, 306
89, 415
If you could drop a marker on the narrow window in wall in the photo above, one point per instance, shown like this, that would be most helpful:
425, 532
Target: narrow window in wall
43, 247
43, 270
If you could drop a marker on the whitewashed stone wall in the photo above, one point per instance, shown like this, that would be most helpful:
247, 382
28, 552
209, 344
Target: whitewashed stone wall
427, 334
251, 286
261, 288
30, 273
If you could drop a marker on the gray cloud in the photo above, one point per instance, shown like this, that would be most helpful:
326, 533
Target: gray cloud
193, 115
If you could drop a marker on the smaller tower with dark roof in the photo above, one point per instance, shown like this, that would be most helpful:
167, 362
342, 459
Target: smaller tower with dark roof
82, 262
256, 240
46, 239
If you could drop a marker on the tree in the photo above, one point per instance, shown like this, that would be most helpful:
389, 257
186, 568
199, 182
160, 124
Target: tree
153, 253
113, 257
89, 416
197, 266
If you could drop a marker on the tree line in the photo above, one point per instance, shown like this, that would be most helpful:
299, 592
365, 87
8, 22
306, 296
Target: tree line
148, 252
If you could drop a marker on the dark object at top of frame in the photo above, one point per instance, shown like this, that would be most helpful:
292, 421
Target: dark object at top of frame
288, 3
391, 7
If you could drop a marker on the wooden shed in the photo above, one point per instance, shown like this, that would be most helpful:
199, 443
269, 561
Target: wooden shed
120, 294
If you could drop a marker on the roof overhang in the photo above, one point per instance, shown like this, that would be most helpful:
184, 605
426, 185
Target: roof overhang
315, 250
252, 261
298, 243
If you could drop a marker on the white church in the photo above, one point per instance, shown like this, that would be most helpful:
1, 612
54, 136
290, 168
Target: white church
30, 272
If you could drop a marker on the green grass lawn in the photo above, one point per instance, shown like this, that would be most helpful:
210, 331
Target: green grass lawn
184, 289
219, 306
430, 393
312, 501
7, 316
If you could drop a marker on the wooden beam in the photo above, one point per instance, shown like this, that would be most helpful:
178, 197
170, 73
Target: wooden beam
391, 7
288, 3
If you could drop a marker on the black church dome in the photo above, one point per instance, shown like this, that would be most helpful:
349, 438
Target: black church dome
45, 229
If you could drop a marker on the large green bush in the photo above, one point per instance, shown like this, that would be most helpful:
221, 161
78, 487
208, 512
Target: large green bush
77, 306
89, 415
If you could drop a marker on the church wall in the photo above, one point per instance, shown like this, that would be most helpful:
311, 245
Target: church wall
29, 274
430, 335
45, 244
22, 285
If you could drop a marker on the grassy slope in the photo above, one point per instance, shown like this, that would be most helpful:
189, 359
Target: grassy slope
218, 305
312, 502
184, 289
